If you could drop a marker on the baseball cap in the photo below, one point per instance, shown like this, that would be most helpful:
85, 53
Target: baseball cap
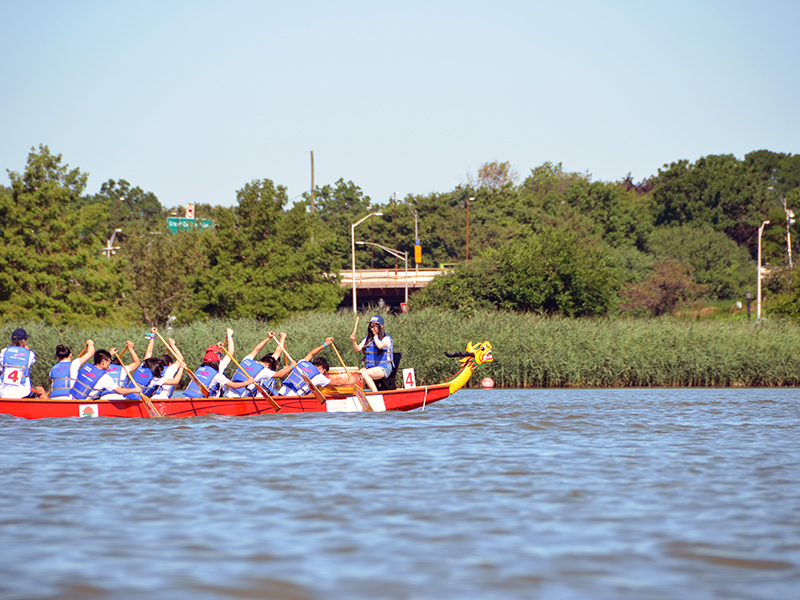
19, 334
377, 319
212, 353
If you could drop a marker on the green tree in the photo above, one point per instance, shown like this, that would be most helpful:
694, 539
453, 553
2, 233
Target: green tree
669, 286
550, 273
130, 206
262, 261
722, 267
51, 251
160, 270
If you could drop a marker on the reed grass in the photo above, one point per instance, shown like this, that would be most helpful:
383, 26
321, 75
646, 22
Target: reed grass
529, 350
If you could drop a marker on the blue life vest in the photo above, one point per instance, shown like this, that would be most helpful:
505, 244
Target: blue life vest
379, 358
61, 380
142, 376
116, 372
294, 381
205, 374
17, 358
87, 378
252, 368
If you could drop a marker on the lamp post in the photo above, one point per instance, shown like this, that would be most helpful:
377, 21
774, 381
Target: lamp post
394, 252
468, 201
353, 250
110, 247
758, 285
416, 235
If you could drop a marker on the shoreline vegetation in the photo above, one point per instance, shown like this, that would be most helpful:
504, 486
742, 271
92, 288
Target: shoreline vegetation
530, 351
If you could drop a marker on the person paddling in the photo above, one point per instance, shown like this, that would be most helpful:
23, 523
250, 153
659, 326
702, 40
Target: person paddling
64, 372
210, 372
316, 369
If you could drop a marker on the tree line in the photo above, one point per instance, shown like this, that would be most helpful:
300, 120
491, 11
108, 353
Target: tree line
553, 242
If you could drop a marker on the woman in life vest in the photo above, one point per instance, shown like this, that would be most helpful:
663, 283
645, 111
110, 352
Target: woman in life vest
94, 379
264, 370
378, 348
64, 372
211, 372
315, 368
172, 371
16, 362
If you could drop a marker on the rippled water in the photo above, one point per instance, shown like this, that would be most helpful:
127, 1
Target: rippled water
488, 494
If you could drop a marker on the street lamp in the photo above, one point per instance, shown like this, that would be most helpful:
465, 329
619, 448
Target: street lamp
353, 250
758, 285
110, 247
416, 236
394, 252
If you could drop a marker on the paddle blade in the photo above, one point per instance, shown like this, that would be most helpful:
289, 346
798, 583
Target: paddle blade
314, 389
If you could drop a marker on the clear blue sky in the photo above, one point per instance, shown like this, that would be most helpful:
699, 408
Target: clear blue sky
191, 100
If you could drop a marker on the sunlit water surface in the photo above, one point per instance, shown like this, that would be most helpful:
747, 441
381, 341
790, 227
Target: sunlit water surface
675, 493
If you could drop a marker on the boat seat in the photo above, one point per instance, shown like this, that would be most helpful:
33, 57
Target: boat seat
390, 382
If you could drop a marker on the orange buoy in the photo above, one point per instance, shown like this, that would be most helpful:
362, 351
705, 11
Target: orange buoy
487, 382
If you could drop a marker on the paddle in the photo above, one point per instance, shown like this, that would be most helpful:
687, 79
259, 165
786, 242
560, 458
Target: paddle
263, 392
314, 389
356, 326
203, 388
86, 347
154, 412
356, 388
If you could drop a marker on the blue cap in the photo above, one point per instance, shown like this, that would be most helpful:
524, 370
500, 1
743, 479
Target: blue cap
377, 319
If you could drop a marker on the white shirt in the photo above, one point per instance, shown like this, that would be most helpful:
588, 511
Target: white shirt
165, 391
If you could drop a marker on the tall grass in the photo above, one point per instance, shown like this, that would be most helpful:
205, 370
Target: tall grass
529, 350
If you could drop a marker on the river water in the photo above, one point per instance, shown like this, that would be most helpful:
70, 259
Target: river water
601, 494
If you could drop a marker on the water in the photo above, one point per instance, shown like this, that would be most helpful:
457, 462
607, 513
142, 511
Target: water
601, 494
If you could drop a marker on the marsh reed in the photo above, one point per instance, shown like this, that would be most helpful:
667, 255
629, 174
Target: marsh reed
529, 350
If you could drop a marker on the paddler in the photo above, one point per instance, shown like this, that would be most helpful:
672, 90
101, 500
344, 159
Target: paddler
316, 368
210, 372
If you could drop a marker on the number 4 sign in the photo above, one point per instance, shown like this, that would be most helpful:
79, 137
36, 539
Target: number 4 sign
12, 376
409, 379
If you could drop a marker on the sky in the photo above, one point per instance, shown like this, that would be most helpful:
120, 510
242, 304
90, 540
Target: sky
193, 100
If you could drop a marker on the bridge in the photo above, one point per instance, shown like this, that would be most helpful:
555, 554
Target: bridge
372, 285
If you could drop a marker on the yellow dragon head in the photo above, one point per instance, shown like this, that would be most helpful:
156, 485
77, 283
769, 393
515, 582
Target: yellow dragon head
481, 354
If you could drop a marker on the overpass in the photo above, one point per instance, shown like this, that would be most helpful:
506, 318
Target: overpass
373, 285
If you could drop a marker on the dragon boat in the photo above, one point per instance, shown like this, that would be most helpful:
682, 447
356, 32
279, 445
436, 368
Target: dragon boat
339, 399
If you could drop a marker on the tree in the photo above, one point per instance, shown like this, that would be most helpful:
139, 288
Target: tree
494, 175
129, 205
718, 264
52, 265
262, 261
549, 273
161, 269
667, 287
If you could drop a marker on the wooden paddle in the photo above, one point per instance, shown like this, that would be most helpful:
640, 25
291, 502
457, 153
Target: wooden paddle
85, 348
356, 388
203, 388
314, 389
356, 326
261, 390
151, 408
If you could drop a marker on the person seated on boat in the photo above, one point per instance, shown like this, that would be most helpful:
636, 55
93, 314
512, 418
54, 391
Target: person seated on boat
171, 375
119, 373
378, 348
211, 373
16, 362
94, 379
316, 369
64, 372
264, 371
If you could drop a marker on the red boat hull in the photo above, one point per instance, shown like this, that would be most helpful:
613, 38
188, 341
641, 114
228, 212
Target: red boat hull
405, 399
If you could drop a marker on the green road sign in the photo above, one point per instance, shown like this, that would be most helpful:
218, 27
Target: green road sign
176, 223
